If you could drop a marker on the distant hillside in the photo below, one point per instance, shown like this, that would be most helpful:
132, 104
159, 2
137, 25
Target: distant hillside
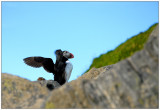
124, 50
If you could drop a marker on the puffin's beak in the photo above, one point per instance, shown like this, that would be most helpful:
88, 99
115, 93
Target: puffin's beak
72, 56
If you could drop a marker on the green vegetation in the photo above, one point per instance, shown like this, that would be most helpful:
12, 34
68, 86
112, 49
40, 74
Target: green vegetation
49, 105
124, 50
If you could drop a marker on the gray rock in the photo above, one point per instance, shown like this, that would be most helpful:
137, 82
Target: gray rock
21, 93
50, 84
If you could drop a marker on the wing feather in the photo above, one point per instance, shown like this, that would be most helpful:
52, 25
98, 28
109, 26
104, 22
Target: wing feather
46, 63
34, 61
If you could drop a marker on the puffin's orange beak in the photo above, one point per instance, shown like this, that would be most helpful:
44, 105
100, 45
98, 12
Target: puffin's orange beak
72, 56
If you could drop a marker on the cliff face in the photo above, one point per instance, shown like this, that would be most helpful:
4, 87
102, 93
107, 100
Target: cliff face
131, 83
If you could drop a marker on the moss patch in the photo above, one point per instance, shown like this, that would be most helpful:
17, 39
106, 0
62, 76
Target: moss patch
124, 50
49, 105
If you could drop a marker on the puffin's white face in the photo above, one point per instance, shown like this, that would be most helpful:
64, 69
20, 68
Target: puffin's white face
67, 54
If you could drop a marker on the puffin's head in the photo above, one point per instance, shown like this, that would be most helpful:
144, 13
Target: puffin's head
67, 55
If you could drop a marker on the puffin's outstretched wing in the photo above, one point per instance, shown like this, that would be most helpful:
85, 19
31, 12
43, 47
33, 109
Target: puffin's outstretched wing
37, 62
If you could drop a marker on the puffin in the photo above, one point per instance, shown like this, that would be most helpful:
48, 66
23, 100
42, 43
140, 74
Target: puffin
61, 69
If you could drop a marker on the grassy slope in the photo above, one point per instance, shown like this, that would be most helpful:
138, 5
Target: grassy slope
124, 50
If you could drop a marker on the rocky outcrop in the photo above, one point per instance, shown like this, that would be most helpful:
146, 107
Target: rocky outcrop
131, 83
21, 93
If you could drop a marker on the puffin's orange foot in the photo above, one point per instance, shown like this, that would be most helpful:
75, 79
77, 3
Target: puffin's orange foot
40, 79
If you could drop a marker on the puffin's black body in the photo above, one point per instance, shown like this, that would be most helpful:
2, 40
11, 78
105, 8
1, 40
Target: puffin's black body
57, 69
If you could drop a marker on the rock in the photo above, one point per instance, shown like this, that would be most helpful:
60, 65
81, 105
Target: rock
21, 93
94, 72
50, 84
131, 83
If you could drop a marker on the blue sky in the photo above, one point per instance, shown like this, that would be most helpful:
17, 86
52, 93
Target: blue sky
86, 29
